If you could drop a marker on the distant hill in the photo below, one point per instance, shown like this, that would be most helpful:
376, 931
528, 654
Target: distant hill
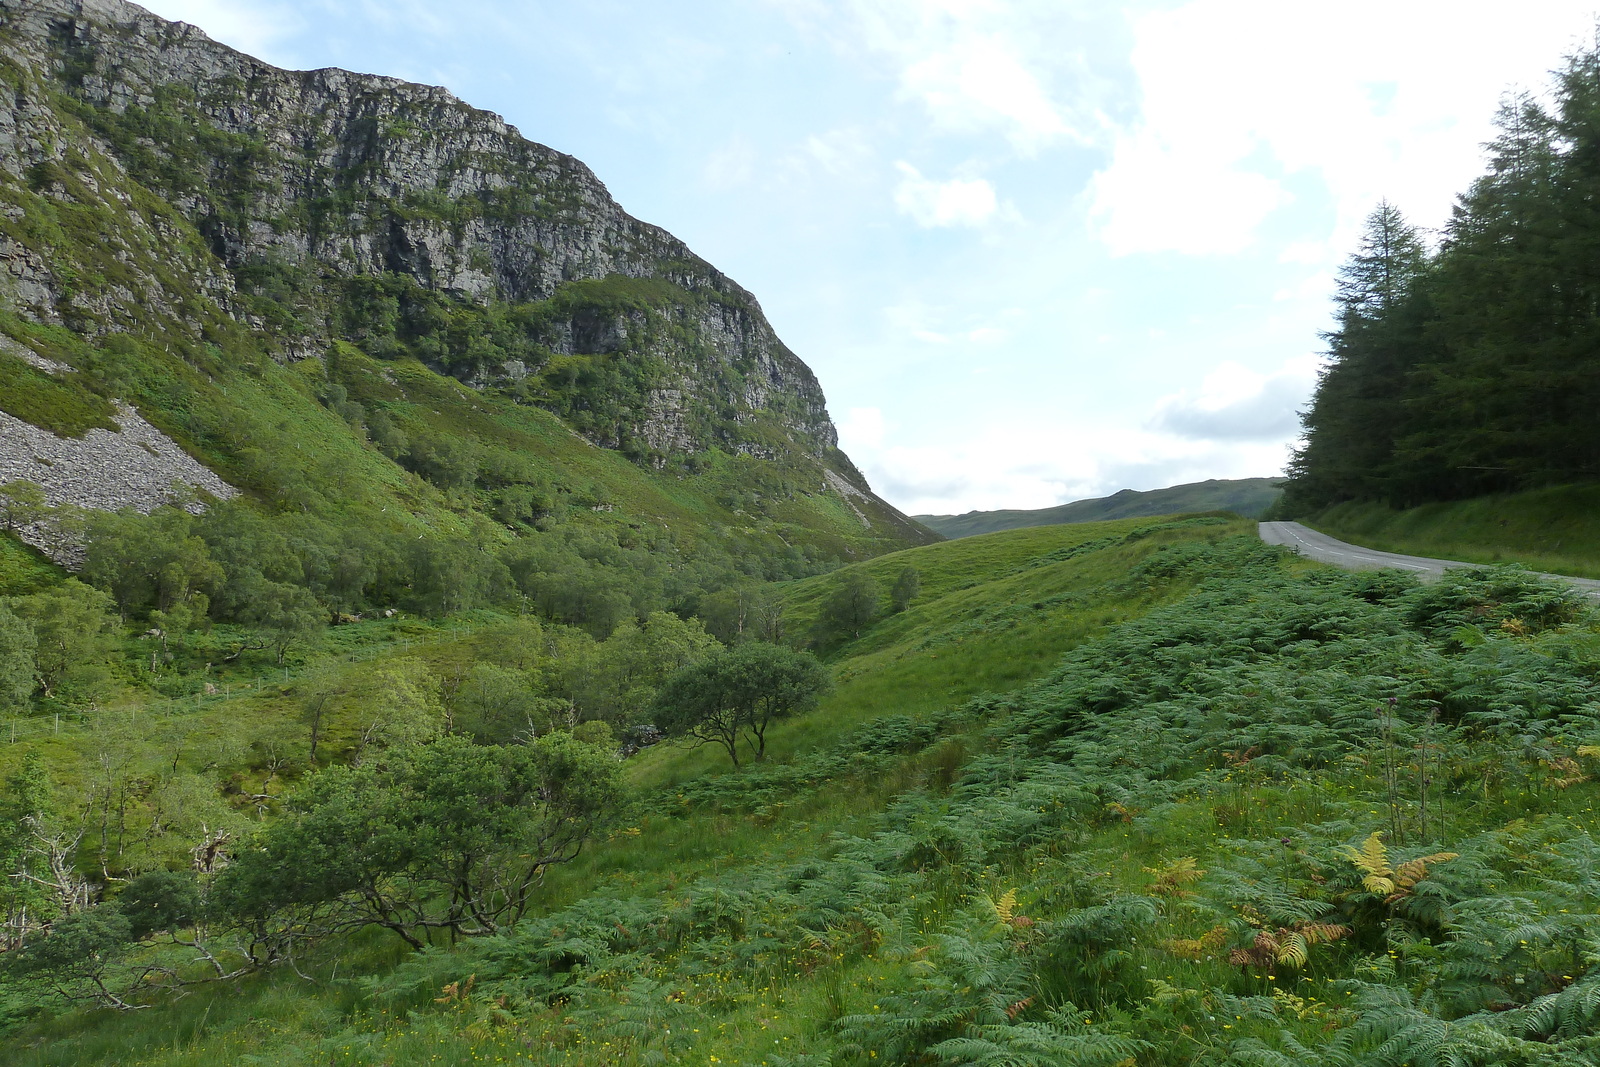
1249, 497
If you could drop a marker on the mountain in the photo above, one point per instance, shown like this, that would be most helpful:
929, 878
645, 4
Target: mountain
1249, 497
313, 283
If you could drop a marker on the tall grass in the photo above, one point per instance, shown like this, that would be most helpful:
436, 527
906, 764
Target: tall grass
1555, 530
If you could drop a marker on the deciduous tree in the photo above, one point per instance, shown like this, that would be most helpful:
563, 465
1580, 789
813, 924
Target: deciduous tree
738, 694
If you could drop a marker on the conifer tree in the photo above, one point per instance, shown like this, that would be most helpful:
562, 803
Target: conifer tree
1357, 411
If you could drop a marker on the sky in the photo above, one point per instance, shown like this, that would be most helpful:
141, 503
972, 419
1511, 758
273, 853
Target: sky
1034, 250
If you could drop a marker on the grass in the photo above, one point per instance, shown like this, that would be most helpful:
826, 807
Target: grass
1555, 530
995, 612
1230, 730
23, 569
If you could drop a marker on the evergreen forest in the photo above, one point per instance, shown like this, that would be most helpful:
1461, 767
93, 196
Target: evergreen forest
1466, 366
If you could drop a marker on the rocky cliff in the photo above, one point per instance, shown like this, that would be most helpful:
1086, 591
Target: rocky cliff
156, 183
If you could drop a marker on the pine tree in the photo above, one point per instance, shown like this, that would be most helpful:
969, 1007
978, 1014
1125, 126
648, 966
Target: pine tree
1357, 415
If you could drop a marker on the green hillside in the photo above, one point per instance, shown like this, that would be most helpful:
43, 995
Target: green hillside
1217, 805
1248, 497
993, 613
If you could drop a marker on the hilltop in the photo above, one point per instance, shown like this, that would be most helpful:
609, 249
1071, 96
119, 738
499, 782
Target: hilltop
1249, 497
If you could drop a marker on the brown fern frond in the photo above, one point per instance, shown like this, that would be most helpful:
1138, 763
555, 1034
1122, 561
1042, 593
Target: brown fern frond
1409, 873
1565, 772
1322, 933
1014, 1010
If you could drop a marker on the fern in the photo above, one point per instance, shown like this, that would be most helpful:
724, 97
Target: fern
1173, 880
1394, 884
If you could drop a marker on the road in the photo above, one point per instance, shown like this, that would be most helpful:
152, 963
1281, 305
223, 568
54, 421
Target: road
1318, 546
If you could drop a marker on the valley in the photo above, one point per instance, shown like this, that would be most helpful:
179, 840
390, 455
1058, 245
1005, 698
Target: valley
439, 624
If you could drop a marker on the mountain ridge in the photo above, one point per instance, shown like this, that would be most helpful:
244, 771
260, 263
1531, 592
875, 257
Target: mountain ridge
168, 189
1248, 497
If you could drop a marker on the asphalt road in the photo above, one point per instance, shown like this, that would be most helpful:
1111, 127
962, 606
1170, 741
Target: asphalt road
1318, 546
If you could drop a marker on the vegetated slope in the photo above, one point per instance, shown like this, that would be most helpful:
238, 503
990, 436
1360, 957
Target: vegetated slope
1249, 497
1555, 530
1471, 369
980, 624
347, 293
1288, 816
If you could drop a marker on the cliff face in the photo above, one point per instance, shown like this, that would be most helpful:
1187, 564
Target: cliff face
187, 182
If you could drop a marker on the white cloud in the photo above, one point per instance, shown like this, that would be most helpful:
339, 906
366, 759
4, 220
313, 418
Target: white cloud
1041, 465
255, 28
1371, 98
862, 429
839, 152
957, 202
1235, 403
975, 66
1162, 197
979, 82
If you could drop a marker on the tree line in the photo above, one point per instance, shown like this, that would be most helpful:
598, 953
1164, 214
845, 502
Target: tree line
1471, 367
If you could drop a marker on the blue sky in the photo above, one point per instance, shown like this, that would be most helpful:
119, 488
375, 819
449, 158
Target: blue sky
1035, 250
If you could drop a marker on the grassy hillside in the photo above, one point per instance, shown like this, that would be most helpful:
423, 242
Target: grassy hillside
994, 613
1554, 530
1249, 497
1257, 812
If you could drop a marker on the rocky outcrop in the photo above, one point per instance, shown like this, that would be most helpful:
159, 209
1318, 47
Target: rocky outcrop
137, 466
328, 175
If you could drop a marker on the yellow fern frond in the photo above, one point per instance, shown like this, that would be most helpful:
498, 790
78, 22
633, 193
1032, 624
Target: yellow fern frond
1589, 751
1293, 950
1372, 858
1006, 906
1377, 884
1171, 879
1187, 948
